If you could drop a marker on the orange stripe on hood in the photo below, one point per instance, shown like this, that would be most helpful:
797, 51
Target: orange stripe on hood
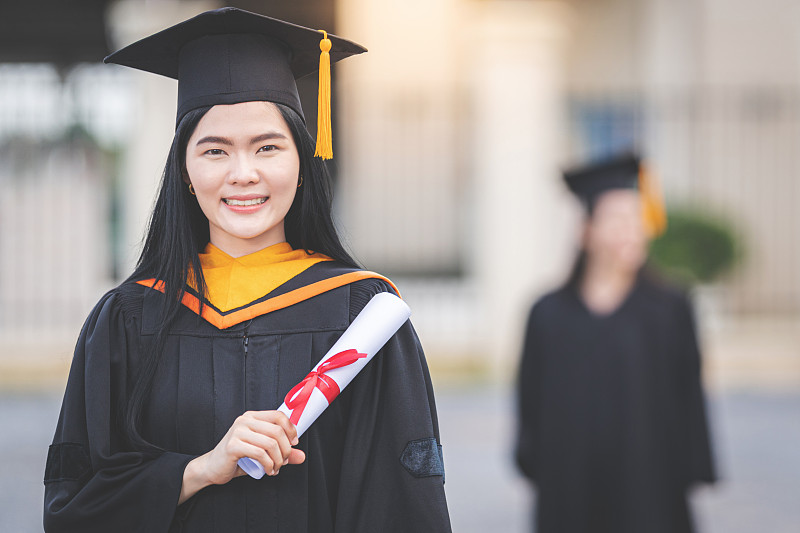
226, 320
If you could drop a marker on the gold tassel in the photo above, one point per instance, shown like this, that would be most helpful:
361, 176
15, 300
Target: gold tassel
324, 133
654, 213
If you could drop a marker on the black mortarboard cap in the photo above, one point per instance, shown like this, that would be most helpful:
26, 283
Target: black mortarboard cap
229, 56
623, 171
590, 181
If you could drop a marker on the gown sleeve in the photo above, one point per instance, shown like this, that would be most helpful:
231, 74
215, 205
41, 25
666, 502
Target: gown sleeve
392, 472
528, 393
92, 481
700, 460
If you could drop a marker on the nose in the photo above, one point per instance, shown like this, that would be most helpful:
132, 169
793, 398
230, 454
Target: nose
243, 171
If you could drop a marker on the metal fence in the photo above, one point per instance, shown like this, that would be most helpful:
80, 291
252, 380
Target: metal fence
58, 137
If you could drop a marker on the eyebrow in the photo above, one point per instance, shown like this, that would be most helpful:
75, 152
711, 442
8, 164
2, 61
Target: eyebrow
213, 139
267, 137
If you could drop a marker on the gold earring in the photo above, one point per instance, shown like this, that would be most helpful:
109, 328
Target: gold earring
191, 190
301, 181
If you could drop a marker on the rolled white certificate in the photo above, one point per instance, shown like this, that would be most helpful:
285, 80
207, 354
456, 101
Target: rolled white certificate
372, 328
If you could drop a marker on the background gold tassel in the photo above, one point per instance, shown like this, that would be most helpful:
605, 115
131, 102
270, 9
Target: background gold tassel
654, 212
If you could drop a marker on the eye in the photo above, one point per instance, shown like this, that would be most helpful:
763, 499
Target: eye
267, 148
214, 151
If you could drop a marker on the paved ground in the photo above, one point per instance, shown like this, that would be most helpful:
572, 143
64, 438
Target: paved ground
757, 440
757, 437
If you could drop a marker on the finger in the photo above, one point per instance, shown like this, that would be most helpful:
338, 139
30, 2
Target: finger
241, 449
277, 418
272, 431
296, 457
271, 447
289, 428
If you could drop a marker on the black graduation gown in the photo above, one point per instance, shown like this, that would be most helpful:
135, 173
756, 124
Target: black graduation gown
373, 458
612, 423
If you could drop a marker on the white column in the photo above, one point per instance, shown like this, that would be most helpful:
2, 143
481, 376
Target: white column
155, 101
671, 44
523, 231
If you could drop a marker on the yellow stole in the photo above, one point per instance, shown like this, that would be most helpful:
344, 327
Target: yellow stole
234, 282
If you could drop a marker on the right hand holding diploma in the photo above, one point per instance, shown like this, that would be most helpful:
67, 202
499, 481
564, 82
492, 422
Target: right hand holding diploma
370, 330
265, 436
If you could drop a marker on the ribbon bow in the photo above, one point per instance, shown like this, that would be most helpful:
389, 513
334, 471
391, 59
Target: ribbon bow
297, 399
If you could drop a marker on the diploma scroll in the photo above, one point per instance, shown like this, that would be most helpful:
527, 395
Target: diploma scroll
372, 328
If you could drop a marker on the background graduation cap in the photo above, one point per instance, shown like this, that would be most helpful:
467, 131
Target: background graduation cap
620, 172
229, 56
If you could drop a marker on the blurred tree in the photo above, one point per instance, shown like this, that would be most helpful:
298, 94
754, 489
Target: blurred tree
697, 247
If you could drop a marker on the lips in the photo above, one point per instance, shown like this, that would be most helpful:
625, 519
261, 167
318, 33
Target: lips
235, 202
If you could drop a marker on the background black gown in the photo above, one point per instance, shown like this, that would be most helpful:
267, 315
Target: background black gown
373, 458
612, 423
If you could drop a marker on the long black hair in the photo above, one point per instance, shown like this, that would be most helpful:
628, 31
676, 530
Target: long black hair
178, 232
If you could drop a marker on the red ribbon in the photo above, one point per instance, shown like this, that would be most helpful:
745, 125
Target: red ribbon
297, 399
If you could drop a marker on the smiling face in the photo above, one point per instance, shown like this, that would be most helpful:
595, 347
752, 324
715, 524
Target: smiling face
614, 235
244, 167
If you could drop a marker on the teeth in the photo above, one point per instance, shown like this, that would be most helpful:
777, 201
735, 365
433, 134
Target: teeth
245, 203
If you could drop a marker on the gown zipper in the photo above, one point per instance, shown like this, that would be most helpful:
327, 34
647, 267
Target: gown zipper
245, 343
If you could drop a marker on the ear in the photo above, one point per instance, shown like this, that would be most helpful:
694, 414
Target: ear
185, 176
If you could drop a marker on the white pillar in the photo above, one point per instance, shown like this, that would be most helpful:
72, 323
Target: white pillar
156, 103
522, 229
671, 44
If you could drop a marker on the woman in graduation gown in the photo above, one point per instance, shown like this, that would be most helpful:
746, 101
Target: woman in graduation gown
612, 424
241, 287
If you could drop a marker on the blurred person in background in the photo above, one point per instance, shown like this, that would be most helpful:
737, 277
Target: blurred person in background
612, 421
177, 371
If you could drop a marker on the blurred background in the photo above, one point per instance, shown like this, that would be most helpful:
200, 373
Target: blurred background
450, 135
